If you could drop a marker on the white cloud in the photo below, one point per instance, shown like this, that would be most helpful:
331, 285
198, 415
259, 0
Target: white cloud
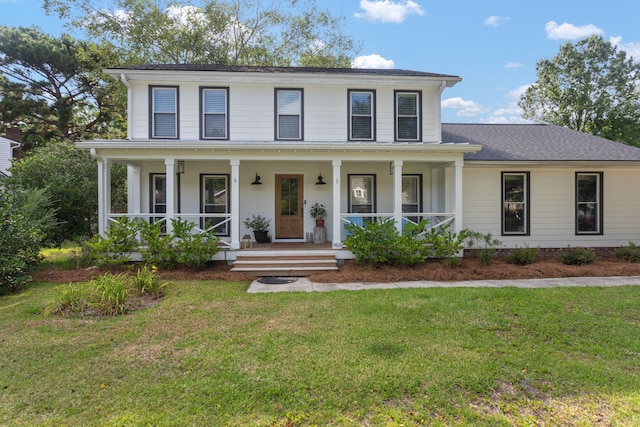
513, 65
388, 10
632, 48
518, 92
372, 61
494, 21
465, 108
570, 31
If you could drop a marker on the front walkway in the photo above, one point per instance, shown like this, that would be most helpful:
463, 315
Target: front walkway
303, 284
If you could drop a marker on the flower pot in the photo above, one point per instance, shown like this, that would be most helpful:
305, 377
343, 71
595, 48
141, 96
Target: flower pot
262, 236
319, 222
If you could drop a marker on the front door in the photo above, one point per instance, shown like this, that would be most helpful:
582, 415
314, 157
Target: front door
289, 207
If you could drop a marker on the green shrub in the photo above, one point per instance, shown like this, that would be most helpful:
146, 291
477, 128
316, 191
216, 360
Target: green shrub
74, 298
445, 244
629, 253
193, 250
111, 291
147, 282
21, 240
485, 244
372, 244
157, 247
577, 256
523, 256
119, 241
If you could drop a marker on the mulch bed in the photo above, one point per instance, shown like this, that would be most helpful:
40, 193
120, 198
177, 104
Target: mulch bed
469, 269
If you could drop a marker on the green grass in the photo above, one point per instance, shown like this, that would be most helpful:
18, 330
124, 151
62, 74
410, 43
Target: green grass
211, 354
66, 257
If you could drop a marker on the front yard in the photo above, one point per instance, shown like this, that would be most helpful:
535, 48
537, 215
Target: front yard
211, 354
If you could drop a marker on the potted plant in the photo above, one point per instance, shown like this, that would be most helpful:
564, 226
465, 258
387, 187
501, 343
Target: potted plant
319, 213
260, 226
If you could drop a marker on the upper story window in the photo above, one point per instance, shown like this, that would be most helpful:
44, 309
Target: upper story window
164, 112
362, 115
407, 120
214, 113
515, 203
289, 114
589, 203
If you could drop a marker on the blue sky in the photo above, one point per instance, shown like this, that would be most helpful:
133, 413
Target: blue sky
492, 44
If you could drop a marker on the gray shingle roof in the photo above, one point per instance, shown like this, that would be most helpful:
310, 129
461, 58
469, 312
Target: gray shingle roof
535, 142
311, 70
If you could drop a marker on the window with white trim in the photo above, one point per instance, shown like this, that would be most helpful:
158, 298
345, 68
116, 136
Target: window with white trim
214, 199
164, 112
362, 115
588, 202
407, 116
362, 193
214, 113
289, 114
515, 203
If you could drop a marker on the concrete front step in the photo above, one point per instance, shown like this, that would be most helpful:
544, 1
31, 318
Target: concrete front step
284, 265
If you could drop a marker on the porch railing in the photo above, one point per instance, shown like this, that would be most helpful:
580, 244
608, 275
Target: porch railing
196, 218
436, 219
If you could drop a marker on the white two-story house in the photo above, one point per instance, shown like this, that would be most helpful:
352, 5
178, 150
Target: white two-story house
218, 144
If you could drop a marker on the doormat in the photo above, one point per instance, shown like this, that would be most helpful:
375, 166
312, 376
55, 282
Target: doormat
277, 280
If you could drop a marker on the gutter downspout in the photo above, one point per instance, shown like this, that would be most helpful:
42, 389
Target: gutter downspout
441, 89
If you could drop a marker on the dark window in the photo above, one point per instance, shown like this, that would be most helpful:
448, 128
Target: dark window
158, 196
164, 112
589, 203
215, 200
362, 194
362, 115
215, 117
515, 203
408, 109
412, 196
289, 114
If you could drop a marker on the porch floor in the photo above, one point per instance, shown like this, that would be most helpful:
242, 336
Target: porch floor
288, 246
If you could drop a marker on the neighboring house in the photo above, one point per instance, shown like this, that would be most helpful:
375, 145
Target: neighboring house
6, 155
216, 144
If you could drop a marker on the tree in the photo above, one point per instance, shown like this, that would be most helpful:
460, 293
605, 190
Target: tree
70, 177
233, 32
589, 87
54, 89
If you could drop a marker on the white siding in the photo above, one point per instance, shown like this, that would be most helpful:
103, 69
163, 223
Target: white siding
6, 154
552, 205
251, 111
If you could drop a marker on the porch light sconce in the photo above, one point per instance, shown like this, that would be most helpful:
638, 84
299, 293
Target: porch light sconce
320, 181
390, 168
257, 180
180, 168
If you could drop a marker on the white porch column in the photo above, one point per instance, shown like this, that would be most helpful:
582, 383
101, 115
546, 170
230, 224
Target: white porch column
102, 212
171, 191
336, 241
235, 203
133, 189
397, 194
457, 185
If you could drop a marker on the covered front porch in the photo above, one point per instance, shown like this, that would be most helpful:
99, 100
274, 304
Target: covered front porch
218, 189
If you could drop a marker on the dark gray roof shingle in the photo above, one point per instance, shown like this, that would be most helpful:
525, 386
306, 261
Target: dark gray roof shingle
535, 142
254, 69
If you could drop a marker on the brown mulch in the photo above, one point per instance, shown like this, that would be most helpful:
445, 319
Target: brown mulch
469, 269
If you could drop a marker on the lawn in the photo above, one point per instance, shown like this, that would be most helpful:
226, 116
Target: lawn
211, 354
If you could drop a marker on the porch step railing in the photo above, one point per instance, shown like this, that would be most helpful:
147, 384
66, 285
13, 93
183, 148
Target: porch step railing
261, 265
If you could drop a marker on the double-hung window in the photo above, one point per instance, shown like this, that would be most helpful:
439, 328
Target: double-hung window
362, 196
589, 203
515, 203
362, 126
289, 120
214, 199
407, 120
214, 113
164, 112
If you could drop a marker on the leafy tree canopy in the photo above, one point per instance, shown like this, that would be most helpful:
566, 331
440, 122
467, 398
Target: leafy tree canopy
53, 88
231, 32
589, 87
